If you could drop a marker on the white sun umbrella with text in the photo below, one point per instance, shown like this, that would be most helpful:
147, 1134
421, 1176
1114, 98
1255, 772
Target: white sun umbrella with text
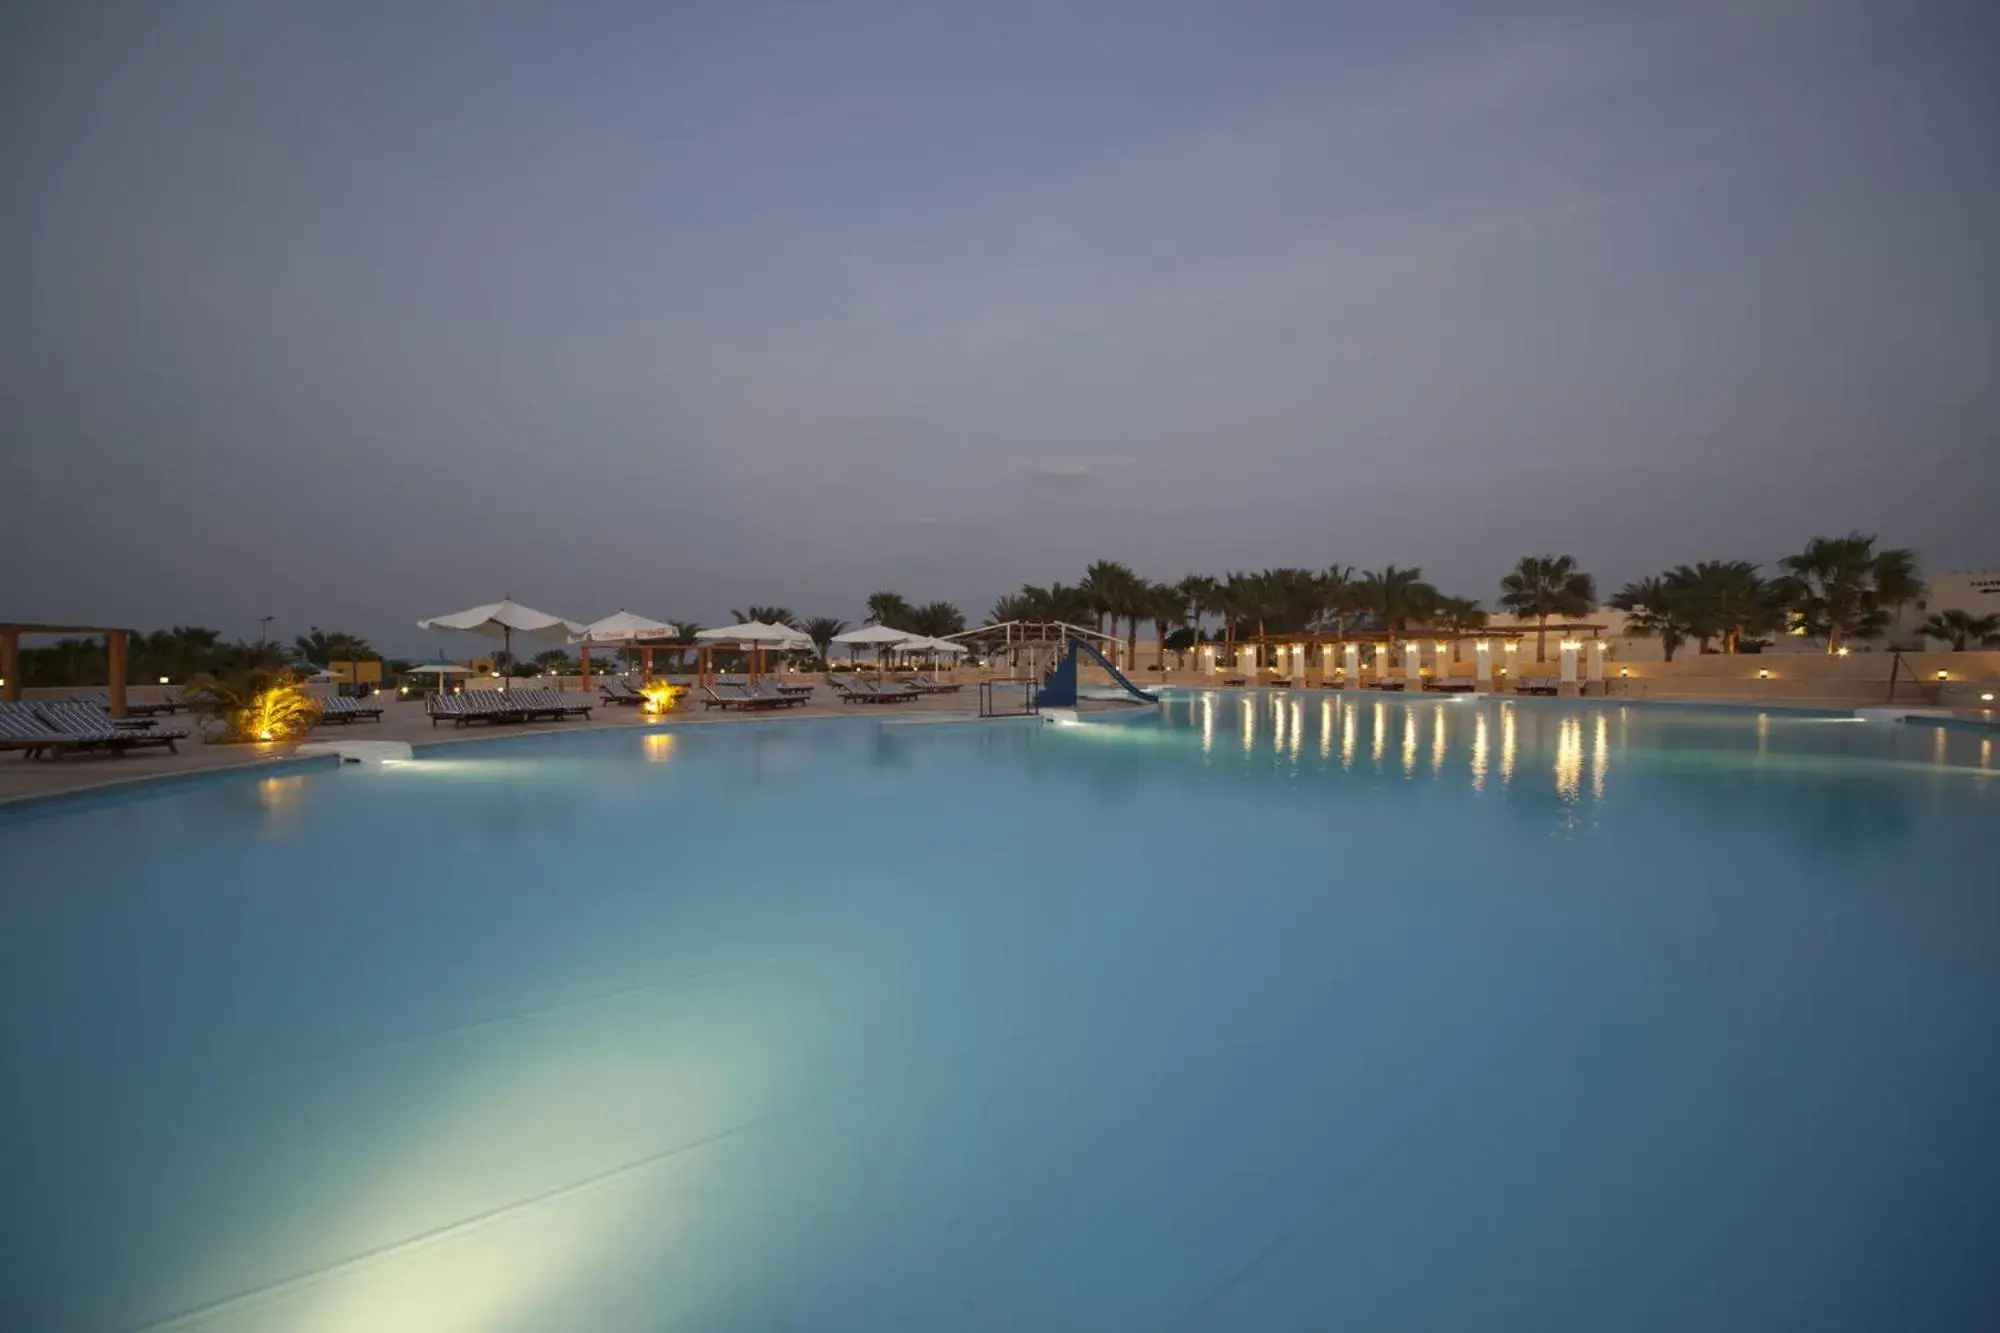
621, 630
506, 621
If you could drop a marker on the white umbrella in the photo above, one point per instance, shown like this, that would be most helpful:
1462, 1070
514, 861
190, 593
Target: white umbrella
753, 635
440, 670
879, 637
752, 632
622, 628
922, 644
503, 620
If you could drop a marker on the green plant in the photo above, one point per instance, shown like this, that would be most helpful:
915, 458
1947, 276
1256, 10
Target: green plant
1547, 585
823, 630
257, 704
1843, 588
1961, 629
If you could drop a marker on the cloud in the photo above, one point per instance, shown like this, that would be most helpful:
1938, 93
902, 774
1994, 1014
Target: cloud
1054, 476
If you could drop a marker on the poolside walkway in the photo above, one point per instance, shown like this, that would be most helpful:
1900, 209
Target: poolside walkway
404, 720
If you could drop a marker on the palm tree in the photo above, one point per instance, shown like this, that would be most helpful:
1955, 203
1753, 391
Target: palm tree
1457, 615
1235, 598
1843, 588
1394, 597
320, 647
686, 645
1654, 606
889, 608
1726, 599
823, 630
768, 615
1340, 596
1547, 585
1111, 588
1962, 628
1198, 595
1012, 606
934, 619
1167, 606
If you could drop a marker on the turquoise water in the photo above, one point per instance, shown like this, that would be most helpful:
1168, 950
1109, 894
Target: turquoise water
1279, 1012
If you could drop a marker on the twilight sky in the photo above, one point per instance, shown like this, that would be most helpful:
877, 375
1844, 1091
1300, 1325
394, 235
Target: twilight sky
356, 313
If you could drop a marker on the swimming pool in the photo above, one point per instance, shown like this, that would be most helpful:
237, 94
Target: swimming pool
1274, 1011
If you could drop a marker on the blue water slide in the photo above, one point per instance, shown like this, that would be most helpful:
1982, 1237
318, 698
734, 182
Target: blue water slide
1059, 690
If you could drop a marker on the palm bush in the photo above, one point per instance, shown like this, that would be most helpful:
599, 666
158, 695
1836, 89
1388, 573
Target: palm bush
258, 704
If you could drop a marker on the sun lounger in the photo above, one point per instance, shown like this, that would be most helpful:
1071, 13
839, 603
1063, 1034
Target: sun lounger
1387, 683
133, 707
550, 704
81, 719
338, 708
769, 692
1234, 680
617, 690
1450, 684
49, 728
887, 692
725, 696
1536, 685
932, 685
23, 729
473, 706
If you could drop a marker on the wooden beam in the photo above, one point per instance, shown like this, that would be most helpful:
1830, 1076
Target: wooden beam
114, 651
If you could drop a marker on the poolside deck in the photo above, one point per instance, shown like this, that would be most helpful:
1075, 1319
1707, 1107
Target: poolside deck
405, 720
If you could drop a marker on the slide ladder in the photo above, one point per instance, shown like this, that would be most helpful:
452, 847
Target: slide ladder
1059, 690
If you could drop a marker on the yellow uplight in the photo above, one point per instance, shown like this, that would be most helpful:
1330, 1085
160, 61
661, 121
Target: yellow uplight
1763, 673
1944, 675
1841, 651
1511, 646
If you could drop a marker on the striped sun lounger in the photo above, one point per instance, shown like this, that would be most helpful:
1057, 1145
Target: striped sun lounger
338, 708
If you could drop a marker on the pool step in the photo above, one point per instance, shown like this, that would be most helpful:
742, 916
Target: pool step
361, 752
1899, 713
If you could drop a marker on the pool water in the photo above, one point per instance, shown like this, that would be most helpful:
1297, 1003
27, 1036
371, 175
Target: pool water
1268, 1012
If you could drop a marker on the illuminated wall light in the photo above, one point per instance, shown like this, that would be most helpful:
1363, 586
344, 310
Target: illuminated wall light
163, 680
1944, 675
1763, 673
1986, 698
1511, 646
1624, 671
1841, 651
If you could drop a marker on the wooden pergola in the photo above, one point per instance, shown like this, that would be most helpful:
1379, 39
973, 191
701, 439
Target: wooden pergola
10, 657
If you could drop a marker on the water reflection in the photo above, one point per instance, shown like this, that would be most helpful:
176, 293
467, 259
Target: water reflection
1600, 756
1409, 741
1277, 725
281, 799
1479, 751
1249, 706
1325, 728
658, 746
1569, 759
1298, 711
1207, 723
1347, 715
1378, 739
1507, 743
1438, 740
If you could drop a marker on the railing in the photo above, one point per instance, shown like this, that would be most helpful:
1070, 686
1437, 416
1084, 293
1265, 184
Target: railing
1011, 697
